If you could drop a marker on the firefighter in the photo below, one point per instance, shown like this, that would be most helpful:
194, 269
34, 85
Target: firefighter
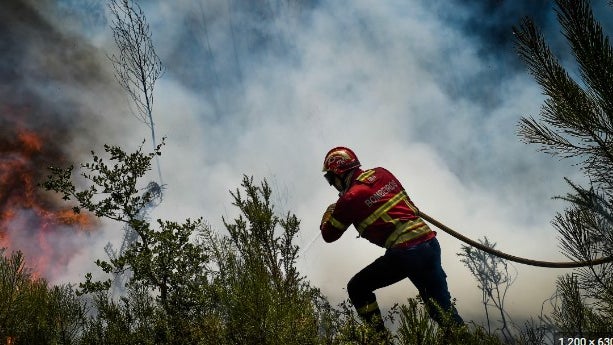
379, 208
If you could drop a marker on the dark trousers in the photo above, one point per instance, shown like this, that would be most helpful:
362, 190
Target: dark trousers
420, 263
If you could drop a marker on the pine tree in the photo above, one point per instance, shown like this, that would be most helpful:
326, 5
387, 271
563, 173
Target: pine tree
576, 121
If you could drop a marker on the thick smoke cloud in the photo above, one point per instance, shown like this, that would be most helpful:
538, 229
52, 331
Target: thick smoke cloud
431, 90
49, 117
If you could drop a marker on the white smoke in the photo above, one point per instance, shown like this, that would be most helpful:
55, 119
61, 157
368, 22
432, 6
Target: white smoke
266, 89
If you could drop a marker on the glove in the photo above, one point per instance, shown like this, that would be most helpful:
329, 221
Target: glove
328, 214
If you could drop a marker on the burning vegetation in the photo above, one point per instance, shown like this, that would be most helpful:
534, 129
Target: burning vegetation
45, 230
44, 117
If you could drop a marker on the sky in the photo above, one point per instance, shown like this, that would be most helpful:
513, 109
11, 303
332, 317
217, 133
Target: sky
431, 90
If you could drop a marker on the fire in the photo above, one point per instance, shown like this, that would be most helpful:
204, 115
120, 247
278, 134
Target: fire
31, 142
48, 232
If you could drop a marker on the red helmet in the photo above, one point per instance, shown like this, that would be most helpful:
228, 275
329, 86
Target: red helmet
340, 160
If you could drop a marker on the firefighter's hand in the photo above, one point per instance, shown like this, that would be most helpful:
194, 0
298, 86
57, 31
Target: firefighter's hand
328, 214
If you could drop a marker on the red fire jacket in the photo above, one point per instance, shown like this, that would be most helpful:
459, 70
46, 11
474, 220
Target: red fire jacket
380, 209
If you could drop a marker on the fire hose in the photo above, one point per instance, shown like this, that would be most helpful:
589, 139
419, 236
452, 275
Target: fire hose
492, 251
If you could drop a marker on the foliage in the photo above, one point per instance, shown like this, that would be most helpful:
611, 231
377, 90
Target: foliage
164, 259
416, 327
264, 300
494, 280
244, 287
33, 313
138, 66
576, 121
193, 285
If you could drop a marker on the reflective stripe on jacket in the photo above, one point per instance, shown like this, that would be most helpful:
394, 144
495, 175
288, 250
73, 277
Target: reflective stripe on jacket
380, 209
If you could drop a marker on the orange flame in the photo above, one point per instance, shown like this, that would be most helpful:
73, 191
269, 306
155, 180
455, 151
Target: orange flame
47, 234
31, 142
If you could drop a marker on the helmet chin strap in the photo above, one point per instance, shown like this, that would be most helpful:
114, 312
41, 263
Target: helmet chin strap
342, 183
